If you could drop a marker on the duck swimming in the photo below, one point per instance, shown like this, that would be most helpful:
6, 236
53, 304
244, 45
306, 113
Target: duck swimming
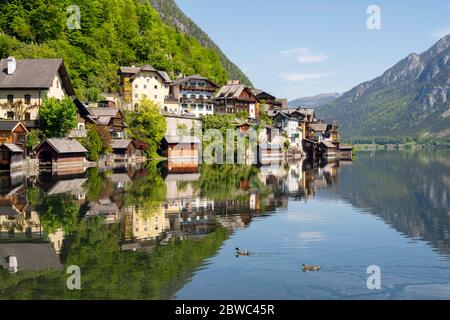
311, 268
242, 253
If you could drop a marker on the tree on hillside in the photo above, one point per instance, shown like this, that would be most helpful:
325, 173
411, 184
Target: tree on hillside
57, 117
147, 125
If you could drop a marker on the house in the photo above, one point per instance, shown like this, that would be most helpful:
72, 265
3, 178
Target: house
24, 84
61, 154
191, 95
345, 152
13, 132
289, 124
267, 101
180, 147
111, 118
141, 82
123, 150
12, 157
328, 151
236, 97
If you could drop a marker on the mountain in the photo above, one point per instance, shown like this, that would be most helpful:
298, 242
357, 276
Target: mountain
409, 100
172, 15
315, 101
111, 33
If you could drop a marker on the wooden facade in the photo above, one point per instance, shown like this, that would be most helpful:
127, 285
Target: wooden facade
13, 132
12, 157
180, 148
60, 154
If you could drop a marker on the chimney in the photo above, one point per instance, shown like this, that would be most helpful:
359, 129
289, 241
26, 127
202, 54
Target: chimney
11, 65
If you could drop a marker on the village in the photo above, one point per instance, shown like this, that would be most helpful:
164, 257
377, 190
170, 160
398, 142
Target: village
184, 102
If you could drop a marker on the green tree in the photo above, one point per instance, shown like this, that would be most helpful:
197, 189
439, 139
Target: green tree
33, 138
93, 143
147, 125
57, 117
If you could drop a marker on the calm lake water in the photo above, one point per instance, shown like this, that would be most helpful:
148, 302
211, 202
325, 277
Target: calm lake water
161, 231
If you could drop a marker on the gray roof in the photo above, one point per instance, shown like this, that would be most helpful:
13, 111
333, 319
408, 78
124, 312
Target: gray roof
30, 256
8, 125
230, 91
30, 73
103, 112
182, 139
65, 146
13, 148
135, 70
328, 144
120, 143
318, 126
74, 186
192, 77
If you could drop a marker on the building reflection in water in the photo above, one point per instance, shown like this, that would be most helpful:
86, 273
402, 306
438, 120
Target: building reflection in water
183, 210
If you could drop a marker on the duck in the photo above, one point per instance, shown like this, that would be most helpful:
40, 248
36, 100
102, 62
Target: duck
242, 253
311, 268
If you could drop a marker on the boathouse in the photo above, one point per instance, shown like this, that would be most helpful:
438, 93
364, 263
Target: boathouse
12, 157
328, 151
123, 150
60, 154
180, 147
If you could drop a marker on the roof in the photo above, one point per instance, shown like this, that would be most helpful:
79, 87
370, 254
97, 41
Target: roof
182, 139
103, 112
120, 143
136, 70
9, 125
328, 144
74, 186
13, 148
231, 91
192, 77
64, 145
259, 92
30, 256
35, 74
318, 126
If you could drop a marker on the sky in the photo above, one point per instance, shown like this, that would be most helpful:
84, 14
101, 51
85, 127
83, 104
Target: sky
298, 48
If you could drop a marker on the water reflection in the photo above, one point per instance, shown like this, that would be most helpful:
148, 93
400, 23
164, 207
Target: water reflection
142, 232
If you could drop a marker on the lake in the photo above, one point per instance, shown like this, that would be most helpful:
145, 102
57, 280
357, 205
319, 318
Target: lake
164, 231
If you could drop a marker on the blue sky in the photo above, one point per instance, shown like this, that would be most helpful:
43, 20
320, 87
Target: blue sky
297, 48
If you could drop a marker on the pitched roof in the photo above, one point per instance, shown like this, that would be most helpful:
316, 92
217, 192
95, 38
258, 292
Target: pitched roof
73, 186
192, 77
30, 256
182, 139
230, 91
136, 70
318, 126
13, 148
8, 125
120, 143
328, 144
103, 112
259, 92
64, 145
34, 73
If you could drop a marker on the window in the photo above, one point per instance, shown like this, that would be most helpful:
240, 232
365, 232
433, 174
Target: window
136, 86
81, 126
10, 98
145, 86
10, 115
27, 99
27, 116
57, 83
156, 97
136, 96
156, 86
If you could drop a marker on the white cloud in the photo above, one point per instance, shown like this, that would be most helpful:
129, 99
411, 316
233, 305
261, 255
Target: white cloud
304, 55
440, 33
297, 77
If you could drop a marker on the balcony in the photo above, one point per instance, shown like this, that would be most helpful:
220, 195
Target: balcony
196, 100
170, 100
